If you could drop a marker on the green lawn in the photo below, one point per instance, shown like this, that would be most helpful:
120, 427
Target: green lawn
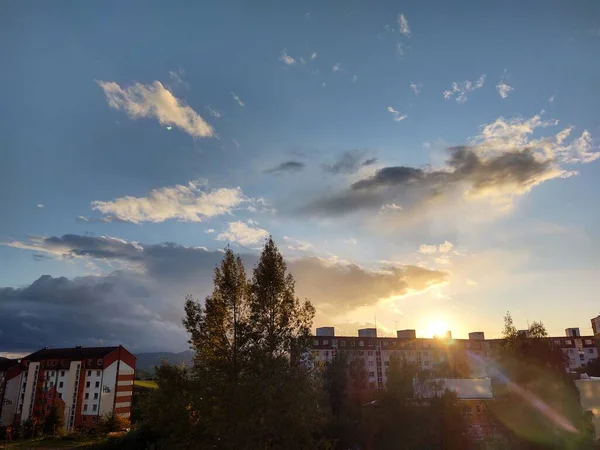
54, 442
148, 384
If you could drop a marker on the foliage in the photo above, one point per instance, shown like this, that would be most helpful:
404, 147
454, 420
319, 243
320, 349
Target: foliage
54, 421
537, 401
111, 422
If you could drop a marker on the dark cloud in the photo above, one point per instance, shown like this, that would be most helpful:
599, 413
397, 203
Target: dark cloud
466, 173
288, 166
141, 305
348, 162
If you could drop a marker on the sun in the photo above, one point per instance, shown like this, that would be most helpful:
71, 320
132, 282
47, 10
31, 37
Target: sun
437, 328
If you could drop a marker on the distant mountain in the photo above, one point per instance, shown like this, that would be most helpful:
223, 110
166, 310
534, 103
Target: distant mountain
147, 361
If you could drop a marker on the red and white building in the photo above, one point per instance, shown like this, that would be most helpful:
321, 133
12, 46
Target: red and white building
85, 382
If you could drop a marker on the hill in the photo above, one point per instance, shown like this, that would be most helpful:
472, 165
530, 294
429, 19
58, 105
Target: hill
146, 361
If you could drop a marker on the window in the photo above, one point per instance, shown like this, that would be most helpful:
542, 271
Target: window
94, 407
361, 353
90, 361
361, 343
85, 407
571, 351
62, 373
582, 356
97, 373
342, 343
372, 374
426, 363
89, 373
52, 373
590, 350
370, 363
87, 384
60, 384
99, 361
315, 342
478, 408
87, 395
556, 341
567, 341
325, 342
51, 383
95, 396
387, 364
425, 353
370, 353
59, 395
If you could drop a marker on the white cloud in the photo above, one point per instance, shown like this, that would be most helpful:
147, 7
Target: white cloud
191, 203
416, 87
426, 144
398, 116
337, 67
209, 231
390, 208
313, 56
403, 23
237, 99
551, 99
296, 245
354, 78
236, 143
154, 100
213, 112
287, 59
350, 241
503, 89
243, 233
400, 48
445, 247
40, 205
460, 89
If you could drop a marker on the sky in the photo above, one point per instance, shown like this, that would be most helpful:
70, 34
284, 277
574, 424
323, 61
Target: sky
419, 165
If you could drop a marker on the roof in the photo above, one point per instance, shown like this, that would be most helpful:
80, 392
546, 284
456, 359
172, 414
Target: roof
74, 353
466, 388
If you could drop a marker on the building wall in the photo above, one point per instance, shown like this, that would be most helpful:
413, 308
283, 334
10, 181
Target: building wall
30, 387
11, 399
109, 387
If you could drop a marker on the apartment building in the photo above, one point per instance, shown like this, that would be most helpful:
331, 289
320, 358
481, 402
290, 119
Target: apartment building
85, 382
427, 353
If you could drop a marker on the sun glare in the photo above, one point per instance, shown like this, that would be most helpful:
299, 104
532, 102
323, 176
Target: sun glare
437, 328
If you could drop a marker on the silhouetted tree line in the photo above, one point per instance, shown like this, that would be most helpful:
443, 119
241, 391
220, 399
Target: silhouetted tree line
253, 385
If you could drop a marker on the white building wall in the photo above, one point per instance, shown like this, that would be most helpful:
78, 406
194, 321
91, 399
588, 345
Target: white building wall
11, 401
108, 388
69, 392
91, 392
31, 379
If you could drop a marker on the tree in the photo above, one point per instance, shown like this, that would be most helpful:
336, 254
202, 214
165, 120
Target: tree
54, 421
111, 422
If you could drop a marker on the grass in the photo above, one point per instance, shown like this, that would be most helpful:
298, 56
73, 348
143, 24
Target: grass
48, 443
148, 384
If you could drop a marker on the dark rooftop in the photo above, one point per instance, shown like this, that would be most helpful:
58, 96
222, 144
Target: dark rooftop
73, 353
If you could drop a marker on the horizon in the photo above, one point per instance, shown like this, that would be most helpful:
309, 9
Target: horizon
414, 169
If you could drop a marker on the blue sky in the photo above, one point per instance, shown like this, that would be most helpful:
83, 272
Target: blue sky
439, 161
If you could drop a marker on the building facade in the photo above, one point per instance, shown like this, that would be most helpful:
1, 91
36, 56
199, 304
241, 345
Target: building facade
84, 382
428, 353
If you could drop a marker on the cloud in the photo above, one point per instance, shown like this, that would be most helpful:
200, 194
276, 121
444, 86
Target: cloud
313, 56
155, 101
496, 167
337, 67
398, 116
416, 87
400, 46
40, 205
213, 112
446, 247
141, 305
551, 99
243, 234
209, 231
354, 78
287, 166
348, 162
503, 89
287, 59
460, 89
191, 203
403, 24
296, 245
237, 99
